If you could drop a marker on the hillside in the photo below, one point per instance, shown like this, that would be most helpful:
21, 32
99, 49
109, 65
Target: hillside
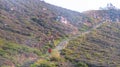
108, 14
29, 28
100, 48
25, 22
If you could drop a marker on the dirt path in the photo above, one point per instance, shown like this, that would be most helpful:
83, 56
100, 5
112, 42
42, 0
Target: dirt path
64, 43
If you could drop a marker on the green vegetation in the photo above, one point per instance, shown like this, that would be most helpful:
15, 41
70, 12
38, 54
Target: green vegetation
52, 59
33, 26
17, 53
97, 47
84, 28
27, 33
43, 63
56, 42
81, 64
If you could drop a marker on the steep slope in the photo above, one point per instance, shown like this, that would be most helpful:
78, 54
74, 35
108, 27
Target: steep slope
100, 48
26, 25
31, 22
28, 28
77, 19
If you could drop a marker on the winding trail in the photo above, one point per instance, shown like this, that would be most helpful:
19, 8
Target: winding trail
64, 43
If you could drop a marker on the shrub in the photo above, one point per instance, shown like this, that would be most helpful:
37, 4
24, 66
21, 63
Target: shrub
43, 63
81, 64
55, 55
46, 65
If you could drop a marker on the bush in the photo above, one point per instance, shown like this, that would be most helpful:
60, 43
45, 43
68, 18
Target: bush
81, 64
55, 55
54, 59
43, 63
46, 65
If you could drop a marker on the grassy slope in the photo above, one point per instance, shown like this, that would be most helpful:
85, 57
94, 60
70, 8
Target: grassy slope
100, 47
27, 24
15, 54
30, 24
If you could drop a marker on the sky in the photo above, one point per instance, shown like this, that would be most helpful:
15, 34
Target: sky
83, 5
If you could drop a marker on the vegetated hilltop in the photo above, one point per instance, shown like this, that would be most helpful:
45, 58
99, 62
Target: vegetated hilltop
109, 14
